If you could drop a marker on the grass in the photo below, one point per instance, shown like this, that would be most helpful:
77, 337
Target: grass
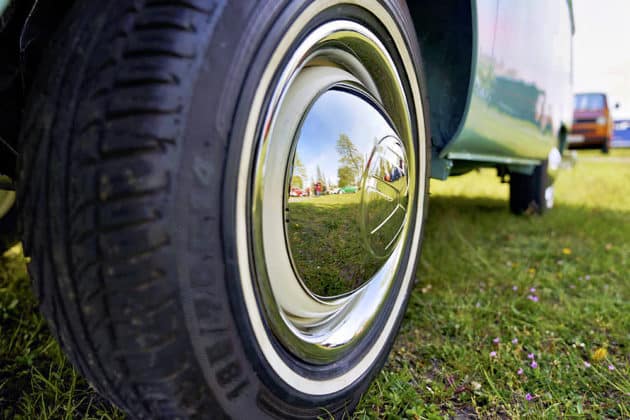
326, 241
474, 279
319, 243
36, 379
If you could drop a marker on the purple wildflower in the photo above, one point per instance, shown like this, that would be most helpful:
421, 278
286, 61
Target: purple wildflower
515, 288
532, 289
611, 367
497, 340
493, 354
515, 341
534, 365
529, 397
533, 298
519, 371
587, 364
531, 356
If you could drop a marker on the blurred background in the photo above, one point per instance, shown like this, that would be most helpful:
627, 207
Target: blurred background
602, 57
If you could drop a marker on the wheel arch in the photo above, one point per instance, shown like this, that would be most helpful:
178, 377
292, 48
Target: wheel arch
445, 32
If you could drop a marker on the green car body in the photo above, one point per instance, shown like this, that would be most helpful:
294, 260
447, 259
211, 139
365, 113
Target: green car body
515, 109
518, 114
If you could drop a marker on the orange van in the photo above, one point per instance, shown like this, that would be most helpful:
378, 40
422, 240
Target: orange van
592, 122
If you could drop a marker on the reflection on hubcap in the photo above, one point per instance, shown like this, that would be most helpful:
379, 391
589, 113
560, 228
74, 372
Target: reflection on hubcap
384, 198
347, 192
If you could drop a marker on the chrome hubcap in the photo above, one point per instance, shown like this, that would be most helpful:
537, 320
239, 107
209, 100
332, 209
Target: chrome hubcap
333, 192
347, 192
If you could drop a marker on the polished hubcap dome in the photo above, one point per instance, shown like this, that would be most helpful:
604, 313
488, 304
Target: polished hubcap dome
334, 193
348, 192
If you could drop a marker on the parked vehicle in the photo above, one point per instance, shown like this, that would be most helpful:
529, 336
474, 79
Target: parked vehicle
296, 192
349, 189
621, 135
592, 122
156, 146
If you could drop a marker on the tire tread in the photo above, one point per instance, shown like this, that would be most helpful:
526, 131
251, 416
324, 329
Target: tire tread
99, 137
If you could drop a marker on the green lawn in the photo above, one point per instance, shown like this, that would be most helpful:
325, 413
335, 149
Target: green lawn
475, 285
326, 241
476, 282
36, 379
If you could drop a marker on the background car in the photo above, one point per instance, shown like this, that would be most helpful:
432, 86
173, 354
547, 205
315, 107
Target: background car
296, 192
151, 143
621, 135
592, 122
349, 189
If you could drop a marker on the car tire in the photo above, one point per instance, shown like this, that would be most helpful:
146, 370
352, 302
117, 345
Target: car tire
606, 146
137, 189
531, 193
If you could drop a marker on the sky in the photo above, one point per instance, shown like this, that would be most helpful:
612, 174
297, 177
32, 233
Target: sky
333, 114
601, 50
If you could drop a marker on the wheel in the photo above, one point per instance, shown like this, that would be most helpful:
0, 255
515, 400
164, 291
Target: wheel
606, 146
531, 193
158, 150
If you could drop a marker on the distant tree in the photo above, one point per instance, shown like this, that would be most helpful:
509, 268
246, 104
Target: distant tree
320, 175
324, 182
299, 173
351, 161
345, 176
349, 155
321, 178
296, 182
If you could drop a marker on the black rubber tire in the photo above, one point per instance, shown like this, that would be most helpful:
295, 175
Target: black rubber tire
606, 146
125, 187
527, 192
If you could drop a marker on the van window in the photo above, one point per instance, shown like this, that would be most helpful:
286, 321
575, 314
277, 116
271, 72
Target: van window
589, 102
